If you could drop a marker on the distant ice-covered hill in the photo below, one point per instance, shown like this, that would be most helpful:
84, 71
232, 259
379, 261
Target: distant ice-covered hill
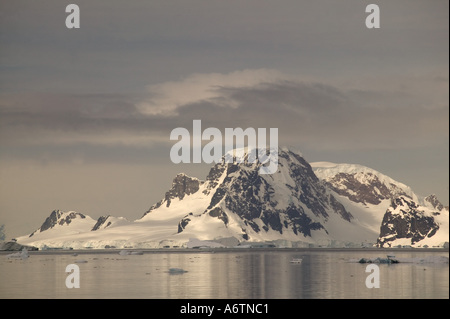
401, 217
361, 184
61, 223
322, 204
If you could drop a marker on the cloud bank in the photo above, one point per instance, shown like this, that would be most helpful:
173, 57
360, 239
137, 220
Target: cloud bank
308, 113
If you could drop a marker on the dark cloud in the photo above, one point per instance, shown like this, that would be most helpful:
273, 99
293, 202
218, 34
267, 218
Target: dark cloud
315, 97
320, 114
71, 113
306, 113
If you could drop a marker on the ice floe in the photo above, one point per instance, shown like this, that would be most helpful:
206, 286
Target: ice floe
19, 255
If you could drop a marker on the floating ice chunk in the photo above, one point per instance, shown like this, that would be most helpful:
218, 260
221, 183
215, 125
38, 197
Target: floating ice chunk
378, 260
296, 260
81, 261
19, 255
14, 255
177, 271
127, 252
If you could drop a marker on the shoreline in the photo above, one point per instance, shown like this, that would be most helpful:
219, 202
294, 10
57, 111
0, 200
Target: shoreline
222, 250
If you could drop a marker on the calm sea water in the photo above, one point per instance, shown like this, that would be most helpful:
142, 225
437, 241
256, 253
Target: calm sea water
228, 275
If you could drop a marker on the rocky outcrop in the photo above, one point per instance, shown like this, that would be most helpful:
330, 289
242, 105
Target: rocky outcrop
58, 217
405, 219
434, 202
182, 185
101, 221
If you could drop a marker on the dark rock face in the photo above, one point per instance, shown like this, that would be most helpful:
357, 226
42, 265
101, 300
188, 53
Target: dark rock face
405, 219
220, 214
434, 201
213, 177
101, 221
255, 196
372, 191
56, 218
183, 222
340, 209
182, 185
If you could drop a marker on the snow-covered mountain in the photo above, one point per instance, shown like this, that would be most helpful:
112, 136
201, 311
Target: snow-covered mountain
63, 223
301, 204
291, 204
401, 216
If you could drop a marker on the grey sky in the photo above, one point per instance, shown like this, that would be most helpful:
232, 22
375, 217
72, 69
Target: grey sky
85, 114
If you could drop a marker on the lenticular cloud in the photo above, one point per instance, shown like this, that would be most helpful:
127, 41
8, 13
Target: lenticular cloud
165, 98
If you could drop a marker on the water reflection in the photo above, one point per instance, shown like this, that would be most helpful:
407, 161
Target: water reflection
229, 275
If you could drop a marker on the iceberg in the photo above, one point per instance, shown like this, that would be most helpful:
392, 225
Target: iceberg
19, 255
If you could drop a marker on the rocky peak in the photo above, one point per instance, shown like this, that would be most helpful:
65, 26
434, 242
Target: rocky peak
405, 219
402, 203
434, 202
59, 217
293, 199
182, 185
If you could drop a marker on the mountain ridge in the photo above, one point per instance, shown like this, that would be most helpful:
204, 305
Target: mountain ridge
301, 204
